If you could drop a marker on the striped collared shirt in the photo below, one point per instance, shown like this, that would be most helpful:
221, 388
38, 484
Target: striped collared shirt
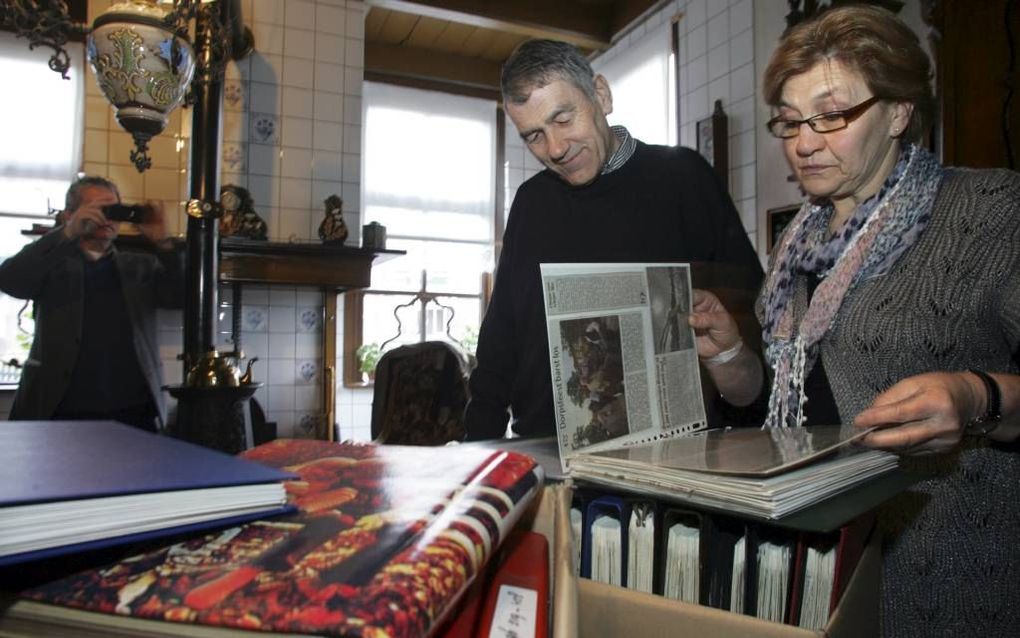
623, 152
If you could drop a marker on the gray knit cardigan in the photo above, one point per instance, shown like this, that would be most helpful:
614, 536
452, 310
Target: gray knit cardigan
952, 555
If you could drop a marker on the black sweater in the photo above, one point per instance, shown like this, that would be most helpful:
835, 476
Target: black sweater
664, 204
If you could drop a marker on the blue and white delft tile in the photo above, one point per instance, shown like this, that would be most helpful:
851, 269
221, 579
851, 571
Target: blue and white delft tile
307, 425
234, 154
309, 319
233, 95
265, 128
307, 371
255, 319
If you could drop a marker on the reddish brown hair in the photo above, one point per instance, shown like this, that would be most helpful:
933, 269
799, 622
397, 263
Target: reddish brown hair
869, 40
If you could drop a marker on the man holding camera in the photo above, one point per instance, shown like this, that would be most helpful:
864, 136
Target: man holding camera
95, 354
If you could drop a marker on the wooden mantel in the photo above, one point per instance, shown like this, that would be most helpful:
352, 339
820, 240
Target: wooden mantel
338, 268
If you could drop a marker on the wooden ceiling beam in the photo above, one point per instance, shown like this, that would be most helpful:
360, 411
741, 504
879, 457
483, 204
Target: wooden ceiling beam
584, 23
430, 65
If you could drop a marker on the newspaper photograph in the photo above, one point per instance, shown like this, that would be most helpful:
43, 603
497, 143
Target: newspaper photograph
622, 354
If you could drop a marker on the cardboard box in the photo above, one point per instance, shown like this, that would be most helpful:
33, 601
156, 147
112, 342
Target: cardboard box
589, 609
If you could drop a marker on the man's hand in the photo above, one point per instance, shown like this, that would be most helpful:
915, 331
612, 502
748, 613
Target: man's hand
153, 224
88, 217
715, 330
923, 413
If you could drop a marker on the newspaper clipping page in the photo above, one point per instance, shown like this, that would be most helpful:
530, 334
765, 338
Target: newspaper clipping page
622, 354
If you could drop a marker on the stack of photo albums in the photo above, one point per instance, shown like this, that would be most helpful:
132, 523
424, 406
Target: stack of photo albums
767, 523
673, 518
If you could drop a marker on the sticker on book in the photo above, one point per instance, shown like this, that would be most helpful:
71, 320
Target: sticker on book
516, 608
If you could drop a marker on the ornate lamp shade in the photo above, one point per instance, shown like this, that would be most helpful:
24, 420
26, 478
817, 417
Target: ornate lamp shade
143, 67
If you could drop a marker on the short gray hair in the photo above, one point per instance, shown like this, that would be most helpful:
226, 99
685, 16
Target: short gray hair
73, 198
536, 63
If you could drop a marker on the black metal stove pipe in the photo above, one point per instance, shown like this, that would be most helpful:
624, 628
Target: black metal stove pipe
200, 320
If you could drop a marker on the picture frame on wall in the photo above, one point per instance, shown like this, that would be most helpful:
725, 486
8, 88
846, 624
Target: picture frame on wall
777, 219
712, 138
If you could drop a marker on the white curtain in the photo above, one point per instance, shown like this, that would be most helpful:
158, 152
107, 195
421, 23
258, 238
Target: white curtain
43, 117
429, 167
641, 79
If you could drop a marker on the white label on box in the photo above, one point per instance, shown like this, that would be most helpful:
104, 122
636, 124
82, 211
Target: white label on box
515, 613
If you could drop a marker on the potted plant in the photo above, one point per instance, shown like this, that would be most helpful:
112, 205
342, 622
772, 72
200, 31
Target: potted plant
368, 357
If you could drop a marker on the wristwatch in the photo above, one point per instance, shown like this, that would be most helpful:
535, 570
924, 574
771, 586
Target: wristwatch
987, 422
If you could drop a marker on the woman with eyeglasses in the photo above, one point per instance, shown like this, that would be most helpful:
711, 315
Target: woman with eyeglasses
893, 301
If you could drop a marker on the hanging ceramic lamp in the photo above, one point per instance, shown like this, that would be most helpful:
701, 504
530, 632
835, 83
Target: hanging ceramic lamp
143, 67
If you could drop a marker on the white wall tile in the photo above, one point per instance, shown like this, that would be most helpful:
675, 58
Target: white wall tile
353, 77
748, 214
354, 53
697, 41
281, 398
697, 103
281, 319
741, 113
307, 397
352, 111
322, 189
296, 162
329, 48
742, 148
351, 194
300, 14
327, 136
355, 24
331, 20
742, 182
307, 345
298, 102
718, 30
695, 14
294, 226
719, 61
742, 48
264, 98
266, 67
352, 139
299, 43
296, 132
268, 37
741, 16
268, 11
697, 72
329, 77
715, 7
281, 345
264, 159
328, 107
351, 168
295, 193
719, 90
298, 72
326, 166
742, 82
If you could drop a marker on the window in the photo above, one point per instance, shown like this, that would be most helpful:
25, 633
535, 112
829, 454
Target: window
429, 178
642, 78
38, 159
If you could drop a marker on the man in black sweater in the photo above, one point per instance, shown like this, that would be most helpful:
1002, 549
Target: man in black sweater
605, 197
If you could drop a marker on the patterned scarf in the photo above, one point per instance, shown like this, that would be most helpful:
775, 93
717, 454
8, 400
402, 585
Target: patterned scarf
880, 230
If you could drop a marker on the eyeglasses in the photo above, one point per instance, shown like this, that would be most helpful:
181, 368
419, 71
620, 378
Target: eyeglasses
822, 123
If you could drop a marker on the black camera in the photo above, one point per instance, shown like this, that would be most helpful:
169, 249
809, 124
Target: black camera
133, 213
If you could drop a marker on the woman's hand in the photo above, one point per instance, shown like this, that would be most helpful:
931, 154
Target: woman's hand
737, 374
715, 330
923, 413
